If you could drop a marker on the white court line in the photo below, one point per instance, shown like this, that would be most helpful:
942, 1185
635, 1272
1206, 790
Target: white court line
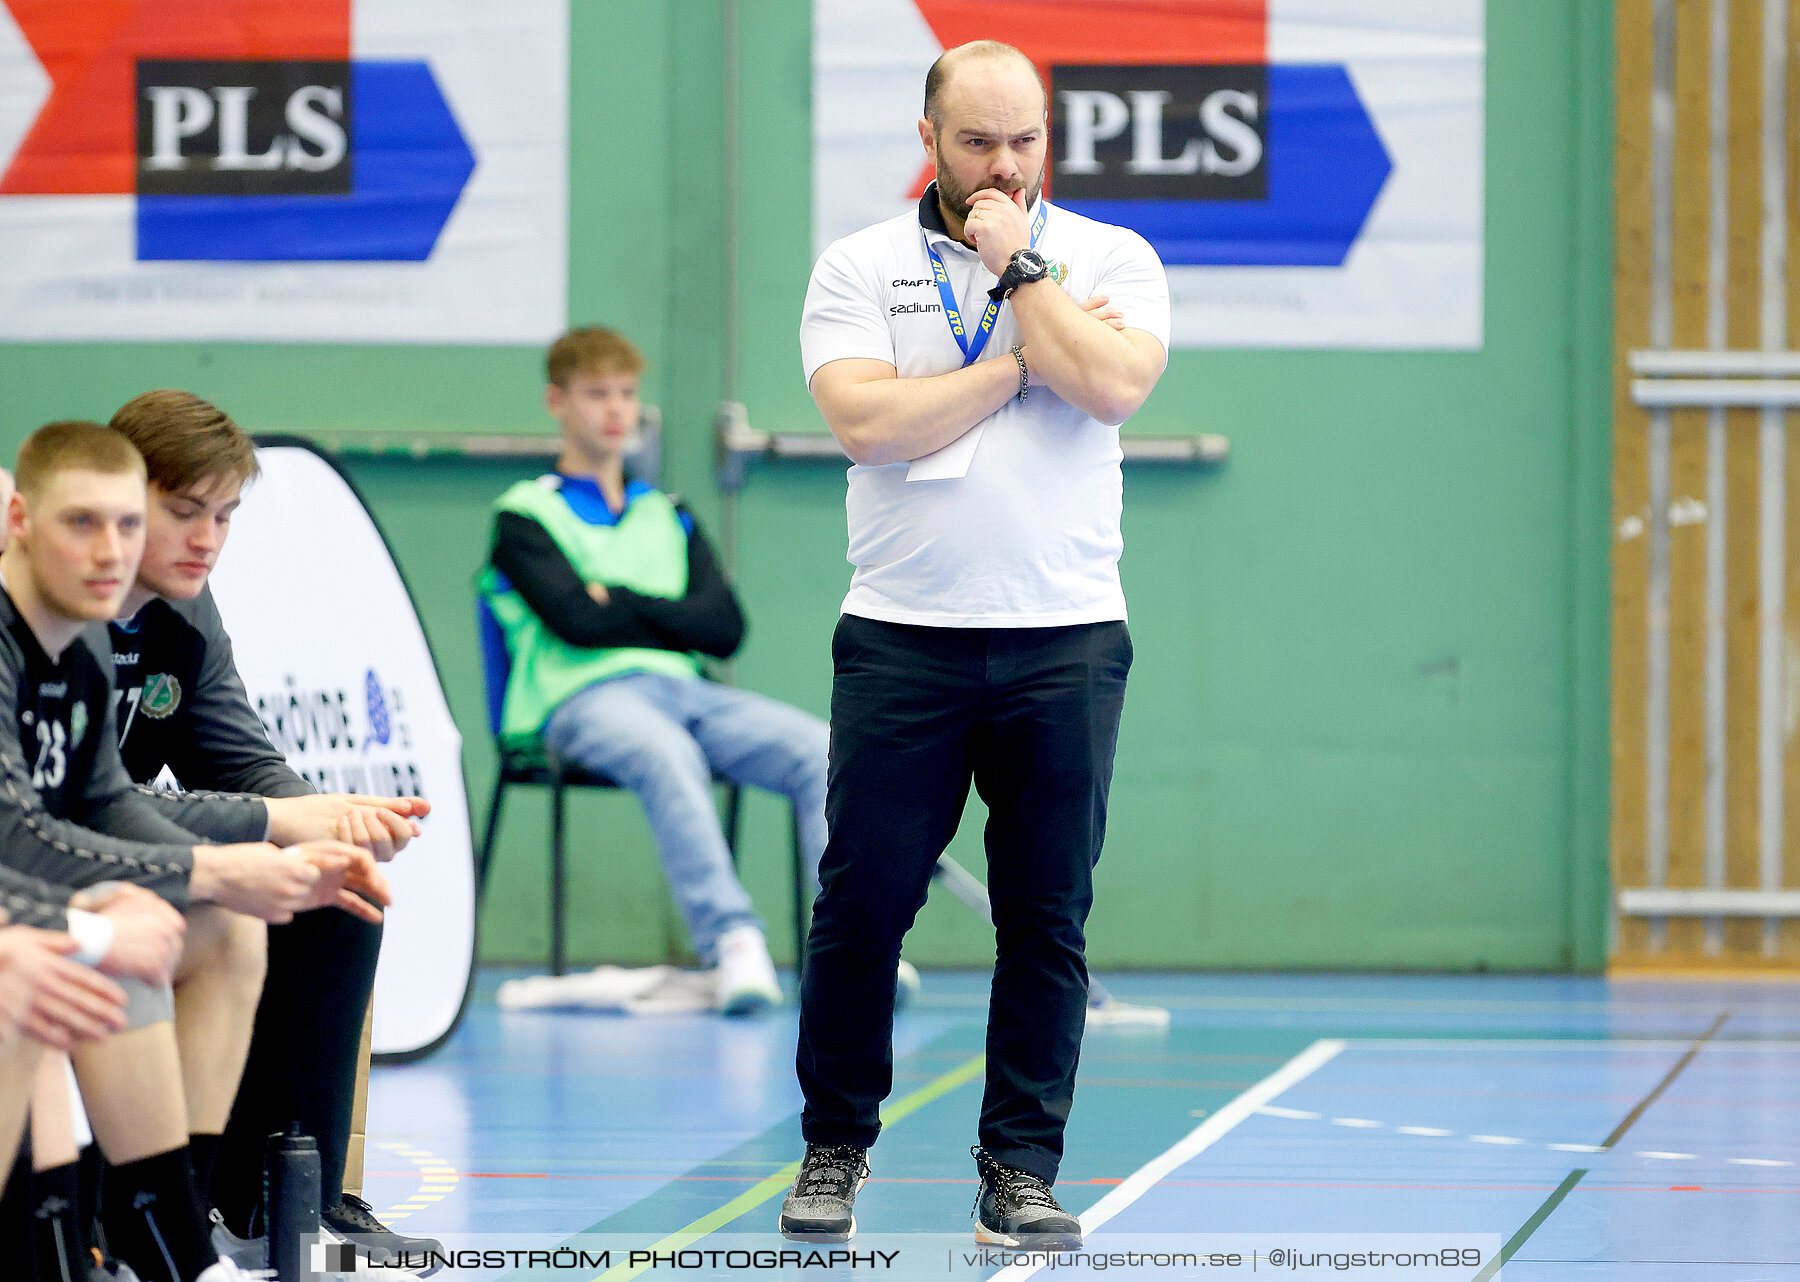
1197, 1141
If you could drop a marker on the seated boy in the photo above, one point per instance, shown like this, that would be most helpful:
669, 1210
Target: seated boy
608, 592
71, 817
303, 1055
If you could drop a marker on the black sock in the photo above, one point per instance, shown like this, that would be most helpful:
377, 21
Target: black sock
202, 1149
15, 1206
59, 1228
90, 1167
154, 1218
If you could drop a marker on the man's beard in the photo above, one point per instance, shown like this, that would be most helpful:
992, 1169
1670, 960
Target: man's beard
955, 197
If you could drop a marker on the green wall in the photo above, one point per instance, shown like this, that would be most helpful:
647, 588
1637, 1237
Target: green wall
1367, 723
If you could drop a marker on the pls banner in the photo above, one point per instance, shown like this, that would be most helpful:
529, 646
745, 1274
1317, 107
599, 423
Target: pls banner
316, 170
1310, 171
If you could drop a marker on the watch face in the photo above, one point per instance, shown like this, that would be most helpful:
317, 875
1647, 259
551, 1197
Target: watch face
1031, 263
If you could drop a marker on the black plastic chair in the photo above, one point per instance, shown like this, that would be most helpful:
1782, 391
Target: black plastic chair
537, 767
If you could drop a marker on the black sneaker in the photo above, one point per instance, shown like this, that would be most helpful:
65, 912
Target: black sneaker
353, 1220
1015, 1208
821, 1205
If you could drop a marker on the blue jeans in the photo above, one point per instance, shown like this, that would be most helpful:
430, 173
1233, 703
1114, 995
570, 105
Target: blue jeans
664, 737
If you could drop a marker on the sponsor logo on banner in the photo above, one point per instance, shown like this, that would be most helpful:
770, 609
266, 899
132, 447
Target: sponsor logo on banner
1160, 132
1251, 144
270, 155
242, 170
243, 128
319, 732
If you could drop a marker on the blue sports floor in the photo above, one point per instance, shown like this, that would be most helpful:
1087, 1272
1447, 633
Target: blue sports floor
1599, 1129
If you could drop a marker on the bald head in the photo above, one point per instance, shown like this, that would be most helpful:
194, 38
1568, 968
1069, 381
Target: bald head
977, 55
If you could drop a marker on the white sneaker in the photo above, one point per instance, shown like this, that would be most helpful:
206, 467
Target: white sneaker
228, 1271
747, 982
246, 1253
906, 984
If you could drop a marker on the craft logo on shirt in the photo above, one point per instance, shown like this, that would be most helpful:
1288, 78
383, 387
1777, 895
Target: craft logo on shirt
162, 695
246, 131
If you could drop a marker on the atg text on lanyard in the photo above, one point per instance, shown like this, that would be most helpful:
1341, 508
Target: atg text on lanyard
972, 344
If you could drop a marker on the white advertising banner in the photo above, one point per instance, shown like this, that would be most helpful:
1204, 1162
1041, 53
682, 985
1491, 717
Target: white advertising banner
338, 669
1310, 171
389, 171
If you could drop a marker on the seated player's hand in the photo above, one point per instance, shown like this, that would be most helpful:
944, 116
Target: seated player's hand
49, 998
256, 879
147, 931
348, 879
380, 825
599, 593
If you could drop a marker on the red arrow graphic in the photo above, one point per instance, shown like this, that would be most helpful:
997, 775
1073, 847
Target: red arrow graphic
1104, 32
84, 141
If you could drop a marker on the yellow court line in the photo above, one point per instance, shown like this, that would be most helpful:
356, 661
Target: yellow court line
437, 1180
769, 1186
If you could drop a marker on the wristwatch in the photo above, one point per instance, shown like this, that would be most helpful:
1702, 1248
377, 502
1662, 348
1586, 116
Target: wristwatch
1024, 267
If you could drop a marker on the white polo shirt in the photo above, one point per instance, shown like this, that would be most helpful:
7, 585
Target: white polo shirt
1030, 536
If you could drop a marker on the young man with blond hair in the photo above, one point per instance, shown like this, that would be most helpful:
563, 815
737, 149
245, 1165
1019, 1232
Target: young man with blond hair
70, 816
609, 594
182, 709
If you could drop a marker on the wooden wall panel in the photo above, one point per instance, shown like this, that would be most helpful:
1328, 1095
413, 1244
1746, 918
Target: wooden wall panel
1631, 494
1686, 941
1742, 333
1688, 467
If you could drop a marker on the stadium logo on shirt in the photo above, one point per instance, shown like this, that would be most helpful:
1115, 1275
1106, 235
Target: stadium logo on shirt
162, 695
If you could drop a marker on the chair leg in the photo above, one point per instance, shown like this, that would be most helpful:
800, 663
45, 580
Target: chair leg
734, 809
558, 876
801, 914
486, 859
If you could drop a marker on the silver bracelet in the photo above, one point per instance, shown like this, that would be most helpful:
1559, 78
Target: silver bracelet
1018, 351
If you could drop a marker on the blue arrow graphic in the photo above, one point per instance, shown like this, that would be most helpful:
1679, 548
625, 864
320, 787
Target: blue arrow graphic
410, 164
1326, 165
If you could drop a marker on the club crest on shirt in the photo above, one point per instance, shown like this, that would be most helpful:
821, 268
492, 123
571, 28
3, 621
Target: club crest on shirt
78, 722
162, 695
1059, 271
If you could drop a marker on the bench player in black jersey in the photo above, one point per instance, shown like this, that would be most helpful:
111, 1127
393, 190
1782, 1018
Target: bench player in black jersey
70, 816
182, 708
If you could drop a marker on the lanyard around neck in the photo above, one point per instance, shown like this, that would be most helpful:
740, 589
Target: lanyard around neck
972, 344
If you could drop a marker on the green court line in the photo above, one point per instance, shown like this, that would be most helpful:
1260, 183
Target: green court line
1530, 1226
1538, 1216
767, 1188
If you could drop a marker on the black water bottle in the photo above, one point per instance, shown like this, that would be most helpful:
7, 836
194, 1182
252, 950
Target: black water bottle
291, 1194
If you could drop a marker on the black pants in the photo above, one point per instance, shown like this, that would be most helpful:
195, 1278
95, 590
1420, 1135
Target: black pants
303, 1051
1031, 716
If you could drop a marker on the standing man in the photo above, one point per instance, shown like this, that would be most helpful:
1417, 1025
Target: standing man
983, 638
